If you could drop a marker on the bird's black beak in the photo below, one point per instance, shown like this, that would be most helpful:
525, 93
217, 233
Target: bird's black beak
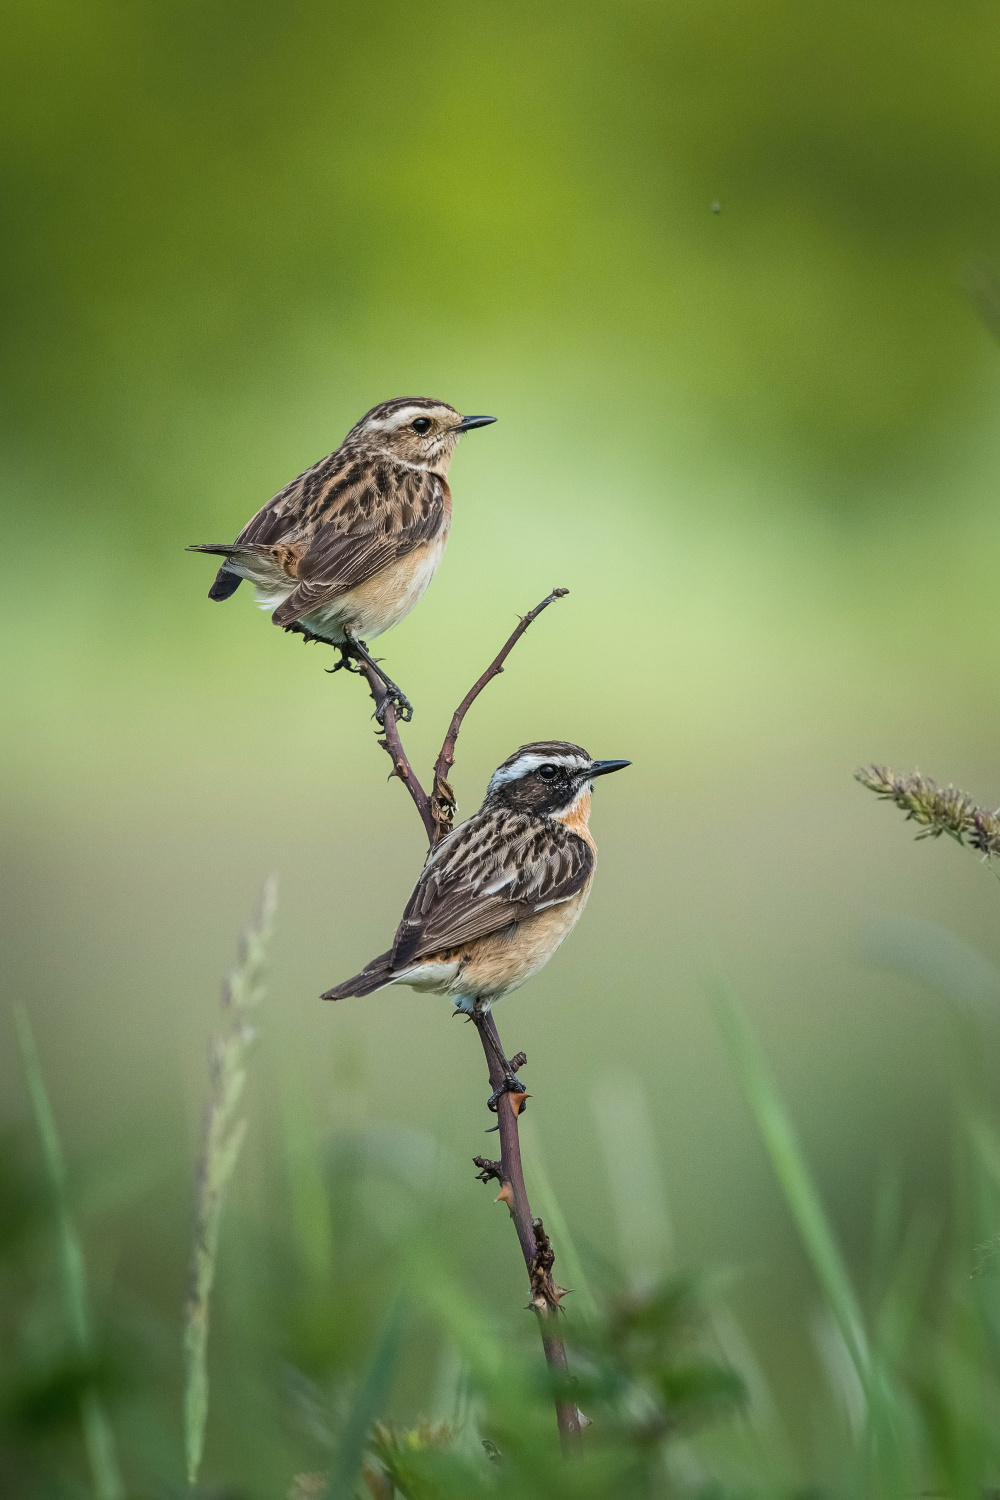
605, 767
467, 423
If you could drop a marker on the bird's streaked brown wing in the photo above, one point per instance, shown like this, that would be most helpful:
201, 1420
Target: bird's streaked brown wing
282, 516
492, 870
294, 512
380, 514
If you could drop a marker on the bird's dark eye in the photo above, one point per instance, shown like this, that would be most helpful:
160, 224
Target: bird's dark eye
421, 425
548, 772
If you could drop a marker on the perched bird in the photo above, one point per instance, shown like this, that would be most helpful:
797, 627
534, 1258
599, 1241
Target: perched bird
500, 893
347, 549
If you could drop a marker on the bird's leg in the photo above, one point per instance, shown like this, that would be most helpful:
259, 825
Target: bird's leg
360, 652
510, 1083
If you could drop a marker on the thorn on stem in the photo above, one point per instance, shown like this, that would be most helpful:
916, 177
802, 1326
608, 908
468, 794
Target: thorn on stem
506, 1195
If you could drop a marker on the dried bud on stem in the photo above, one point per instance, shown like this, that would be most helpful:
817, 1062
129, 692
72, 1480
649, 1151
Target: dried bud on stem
545, 1294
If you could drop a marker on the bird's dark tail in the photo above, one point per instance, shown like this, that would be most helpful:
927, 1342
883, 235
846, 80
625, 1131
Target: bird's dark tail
374, 976
225, 584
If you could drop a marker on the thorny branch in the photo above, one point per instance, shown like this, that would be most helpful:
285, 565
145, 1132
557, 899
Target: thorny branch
442, 796
536, 1248
437, 814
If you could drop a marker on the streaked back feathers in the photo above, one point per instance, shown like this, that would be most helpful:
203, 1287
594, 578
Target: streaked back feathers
497, 896
365, 509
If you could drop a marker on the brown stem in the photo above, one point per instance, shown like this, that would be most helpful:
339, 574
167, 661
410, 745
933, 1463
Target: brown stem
442, 799
385, 711
436, 813
534, 1242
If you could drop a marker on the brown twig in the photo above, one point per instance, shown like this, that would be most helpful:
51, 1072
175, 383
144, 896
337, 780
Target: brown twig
385, 713
442, 799
534, 1242
437, 813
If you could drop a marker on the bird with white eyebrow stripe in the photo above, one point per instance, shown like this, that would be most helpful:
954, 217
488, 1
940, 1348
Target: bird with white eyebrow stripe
497, 897
347, 549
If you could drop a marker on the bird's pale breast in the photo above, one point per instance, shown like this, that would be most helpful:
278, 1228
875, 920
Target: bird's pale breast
381, 602
491, 966
505, 959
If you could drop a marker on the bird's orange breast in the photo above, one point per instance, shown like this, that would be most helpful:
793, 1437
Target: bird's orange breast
577, 818
503, 960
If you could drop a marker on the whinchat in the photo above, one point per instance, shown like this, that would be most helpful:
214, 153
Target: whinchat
500, 893
345, 551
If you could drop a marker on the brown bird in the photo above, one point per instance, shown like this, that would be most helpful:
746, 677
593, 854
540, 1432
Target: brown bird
499, 894
347, 549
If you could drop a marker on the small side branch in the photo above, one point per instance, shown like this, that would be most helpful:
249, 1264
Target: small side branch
442, 798
437, 811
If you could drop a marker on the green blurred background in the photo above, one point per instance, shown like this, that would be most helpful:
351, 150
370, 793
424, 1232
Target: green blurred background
761, 447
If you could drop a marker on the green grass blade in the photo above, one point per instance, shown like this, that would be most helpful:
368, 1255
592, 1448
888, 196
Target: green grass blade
367, 1404
627, 1143
242, 991
792, 1173
544, 1198
97, 1433
307, 1189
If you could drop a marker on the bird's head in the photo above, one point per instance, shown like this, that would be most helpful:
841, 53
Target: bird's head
549, 779
414, 430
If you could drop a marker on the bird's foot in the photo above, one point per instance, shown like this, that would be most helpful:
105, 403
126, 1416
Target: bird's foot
510, 1084
346, 663
401, 703
519, 1097
393, 693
